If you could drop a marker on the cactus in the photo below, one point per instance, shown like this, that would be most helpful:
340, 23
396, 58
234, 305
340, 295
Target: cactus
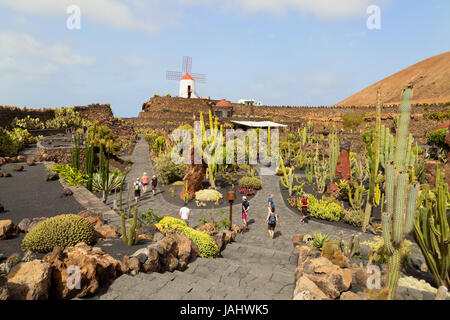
309, 171
374, 155
89, 163
133, 236
356, 198
350, 249
76, 138
288, 177
321, 174
186, 192
377, 195
431, 229
212, 144
334, 154
401, 197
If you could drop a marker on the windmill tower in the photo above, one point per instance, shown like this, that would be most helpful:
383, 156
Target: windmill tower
187, 79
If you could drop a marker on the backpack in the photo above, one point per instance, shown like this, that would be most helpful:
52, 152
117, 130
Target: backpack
137, 186
272, 218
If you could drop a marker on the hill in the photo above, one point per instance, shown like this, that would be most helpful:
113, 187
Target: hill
431, 79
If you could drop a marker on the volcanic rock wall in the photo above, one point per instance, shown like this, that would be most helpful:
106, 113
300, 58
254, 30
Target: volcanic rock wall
167, 112
91, 112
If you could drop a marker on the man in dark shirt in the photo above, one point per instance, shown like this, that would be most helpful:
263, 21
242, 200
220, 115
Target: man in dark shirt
245, 206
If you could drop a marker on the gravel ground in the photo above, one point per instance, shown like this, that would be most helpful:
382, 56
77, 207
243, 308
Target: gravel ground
27, 195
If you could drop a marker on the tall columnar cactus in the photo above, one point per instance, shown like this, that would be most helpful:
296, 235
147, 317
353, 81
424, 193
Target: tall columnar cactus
104, 171
334, 154
431, 230
288, 177
401, 198
374, 153
386, 147
76, 141
89, 163
209, 145
133, 236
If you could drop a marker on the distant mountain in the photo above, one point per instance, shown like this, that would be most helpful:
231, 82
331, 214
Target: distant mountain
431, 79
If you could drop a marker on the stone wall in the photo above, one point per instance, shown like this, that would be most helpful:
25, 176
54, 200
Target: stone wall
170, 112
91, 112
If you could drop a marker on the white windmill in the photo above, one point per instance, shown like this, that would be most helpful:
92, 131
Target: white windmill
187, 79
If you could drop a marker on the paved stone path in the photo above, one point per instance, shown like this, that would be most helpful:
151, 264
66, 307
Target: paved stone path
252, 267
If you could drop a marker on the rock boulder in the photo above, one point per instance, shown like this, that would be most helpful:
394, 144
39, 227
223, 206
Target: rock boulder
29, 281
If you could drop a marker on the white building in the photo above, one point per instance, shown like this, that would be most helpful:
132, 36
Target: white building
250, 102
187, 87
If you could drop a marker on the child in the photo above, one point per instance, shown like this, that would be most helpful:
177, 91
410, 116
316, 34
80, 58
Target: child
304, 208
245, 206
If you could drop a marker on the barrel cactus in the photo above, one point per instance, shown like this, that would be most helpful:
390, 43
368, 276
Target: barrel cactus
60, 231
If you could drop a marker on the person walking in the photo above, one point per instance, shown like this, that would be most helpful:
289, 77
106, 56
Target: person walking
271, 203
184, 213
137, 185
304, 208
154, 184
271, 219
144, 181
245, 207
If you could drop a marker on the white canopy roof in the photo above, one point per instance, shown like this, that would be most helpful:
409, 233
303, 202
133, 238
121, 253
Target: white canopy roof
259, 124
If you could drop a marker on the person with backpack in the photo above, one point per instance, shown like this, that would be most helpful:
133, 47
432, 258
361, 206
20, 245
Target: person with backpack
304, 202
154, 184
144, 181
184, 213
245, 206
271, 219
137, 185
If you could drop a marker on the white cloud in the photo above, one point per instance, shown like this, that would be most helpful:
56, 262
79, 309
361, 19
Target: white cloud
107, 12
13, 44
323, 9
22, 54
134, 61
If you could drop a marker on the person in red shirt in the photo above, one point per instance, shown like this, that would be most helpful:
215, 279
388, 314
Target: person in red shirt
304, 208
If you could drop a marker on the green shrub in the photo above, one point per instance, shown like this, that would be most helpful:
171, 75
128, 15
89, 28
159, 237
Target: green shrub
326, 208
437, 116
69, 174
250, 183
28, 123
102, 135
208, 195
63, 231
204, 242
150, 217
354, 217
352, 121
167, 171
437, 138
159, 144
379, 255
66, 118
8, 146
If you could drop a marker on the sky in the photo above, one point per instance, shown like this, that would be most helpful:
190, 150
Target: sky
280, 52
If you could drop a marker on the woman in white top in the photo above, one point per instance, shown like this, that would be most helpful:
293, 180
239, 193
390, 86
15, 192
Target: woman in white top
185, 213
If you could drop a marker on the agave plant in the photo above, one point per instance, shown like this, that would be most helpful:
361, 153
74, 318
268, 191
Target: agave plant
319, 240
113, 183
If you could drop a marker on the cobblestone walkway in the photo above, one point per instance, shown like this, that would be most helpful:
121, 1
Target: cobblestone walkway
252, 267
